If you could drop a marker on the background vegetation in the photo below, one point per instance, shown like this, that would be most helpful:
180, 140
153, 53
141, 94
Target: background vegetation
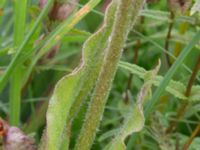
159, 69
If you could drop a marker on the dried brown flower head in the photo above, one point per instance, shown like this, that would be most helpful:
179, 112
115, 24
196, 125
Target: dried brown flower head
60, 10
179, 6
14, 138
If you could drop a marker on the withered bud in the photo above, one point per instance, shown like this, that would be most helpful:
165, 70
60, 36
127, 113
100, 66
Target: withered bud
179, 6
60, 10
42, 3
14, 138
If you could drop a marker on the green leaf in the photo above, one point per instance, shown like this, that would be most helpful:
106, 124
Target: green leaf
195, 8
164, 16
134, 122
74, 88
175, 88
95, 47
125, 17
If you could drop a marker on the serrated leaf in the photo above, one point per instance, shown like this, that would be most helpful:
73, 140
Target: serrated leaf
195, 8
175, 88
75, 87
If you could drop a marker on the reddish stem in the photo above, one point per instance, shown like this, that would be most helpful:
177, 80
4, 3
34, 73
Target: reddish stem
183, 107
194, 134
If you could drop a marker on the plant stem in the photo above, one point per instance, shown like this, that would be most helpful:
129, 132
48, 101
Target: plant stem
183, 107
194, 134
135, 59
192, 78
126, 14
168, 38
15, 88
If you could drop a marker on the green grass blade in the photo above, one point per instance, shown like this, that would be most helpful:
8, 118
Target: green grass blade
162, 49
15, 87
19, 22
57, 34
21, 49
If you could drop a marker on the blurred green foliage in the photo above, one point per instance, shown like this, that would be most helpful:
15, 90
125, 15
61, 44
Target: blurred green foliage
145, 45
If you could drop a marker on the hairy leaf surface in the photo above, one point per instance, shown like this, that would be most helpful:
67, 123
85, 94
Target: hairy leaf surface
74, 87
134, 122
